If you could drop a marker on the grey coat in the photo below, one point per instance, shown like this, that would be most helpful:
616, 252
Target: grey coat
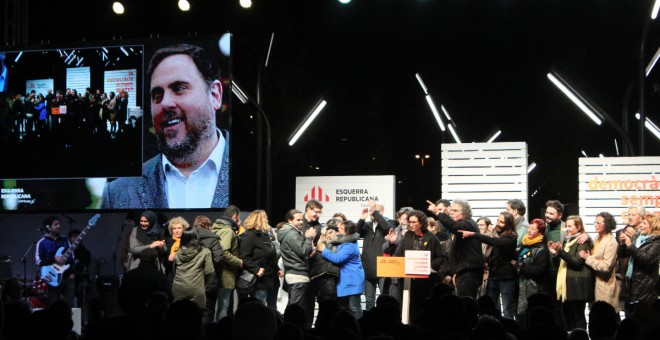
150, 190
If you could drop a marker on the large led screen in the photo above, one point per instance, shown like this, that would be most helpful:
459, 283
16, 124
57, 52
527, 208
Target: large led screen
130, 126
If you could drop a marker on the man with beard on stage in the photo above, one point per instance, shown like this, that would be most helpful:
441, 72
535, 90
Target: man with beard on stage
193, 169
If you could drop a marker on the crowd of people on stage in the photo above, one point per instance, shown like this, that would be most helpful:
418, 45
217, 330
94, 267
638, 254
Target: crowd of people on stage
35, 114
513, 278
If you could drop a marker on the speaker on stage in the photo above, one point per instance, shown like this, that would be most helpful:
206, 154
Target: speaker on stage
107, 287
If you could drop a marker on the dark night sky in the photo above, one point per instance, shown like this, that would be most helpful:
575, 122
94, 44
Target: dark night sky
486, 61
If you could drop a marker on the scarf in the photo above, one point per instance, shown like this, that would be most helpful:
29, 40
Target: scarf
563, 269
176, 245
528, 242
638, 243
153, 233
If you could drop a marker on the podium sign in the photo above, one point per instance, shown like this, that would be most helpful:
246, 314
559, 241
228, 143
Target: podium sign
394, 267
418, 262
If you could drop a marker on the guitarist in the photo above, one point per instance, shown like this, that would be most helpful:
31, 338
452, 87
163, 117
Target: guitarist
45, 255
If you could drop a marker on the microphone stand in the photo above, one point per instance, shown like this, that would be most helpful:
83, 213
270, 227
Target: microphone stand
71, 222
24, 262
120, 233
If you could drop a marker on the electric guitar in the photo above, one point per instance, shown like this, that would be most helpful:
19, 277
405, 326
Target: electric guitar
53, 274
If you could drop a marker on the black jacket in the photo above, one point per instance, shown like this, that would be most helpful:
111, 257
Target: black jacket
499, 261
465, 254
257, 251
372, 247
645, 269
428, 241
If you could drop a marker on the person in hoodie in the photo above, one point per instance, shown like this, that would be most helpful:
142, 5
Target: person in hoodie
225, 228
296, 248
193, 269
211, 241
351, 274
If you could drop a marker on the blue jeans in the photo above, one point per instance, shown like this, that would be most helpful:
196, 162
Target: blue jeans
370, 291
225, 304
352, 303
508, 290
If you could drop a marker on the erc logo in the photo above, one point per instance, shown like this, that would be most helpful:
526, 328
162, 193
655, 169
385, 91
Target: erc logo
317, 194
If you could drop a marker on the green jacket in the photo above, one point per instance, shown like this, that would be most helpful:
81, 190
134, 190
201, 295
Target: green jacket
231, 263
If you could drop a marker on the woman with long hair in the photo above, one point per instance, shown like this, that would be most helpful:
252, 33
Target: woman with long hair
502, 273
259, 255
193, 269
575, 282
532, 264
644, 253
603, 261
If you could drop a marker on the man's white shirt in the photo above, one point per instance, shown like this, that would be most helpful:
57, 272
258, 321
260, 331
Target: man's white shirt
198, 189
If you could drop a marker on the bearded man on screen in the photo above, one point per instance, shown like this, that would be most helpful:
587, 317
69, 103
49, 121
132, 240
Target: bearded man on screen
192, 170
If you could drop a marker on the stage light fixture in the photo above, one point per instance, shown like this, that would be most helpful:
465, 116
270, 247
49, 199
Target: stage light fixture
421, 83
270, 47
245, 3
318, 107
429, 100
494, 136
656, 7
344, 1
453, 133
531, 167
79, 61
616, 147
118, 7
184, 5
238, 92
650, 126
444, 110
18, 56
576, 98
653, 61
123, 50
584, 153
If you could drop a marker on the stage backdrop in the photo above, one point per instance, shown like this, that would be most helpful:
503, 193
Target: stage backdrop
346, 194
613, 184
487, 175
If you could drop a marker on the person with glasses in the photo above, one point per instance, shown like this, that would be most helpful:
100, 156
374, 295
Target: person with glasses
313, 211
466, 260
603, 260
419, 237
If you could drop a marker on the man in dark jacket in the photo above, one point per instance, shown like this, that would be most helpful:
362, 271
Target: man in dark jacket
373, 232
296, 248
466, 262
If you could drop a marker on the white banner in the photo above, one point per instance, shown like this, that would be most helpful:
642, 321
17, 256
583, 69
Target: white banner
115, 80
39, 86
487, 175
78, 78
346, 194
613, 184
